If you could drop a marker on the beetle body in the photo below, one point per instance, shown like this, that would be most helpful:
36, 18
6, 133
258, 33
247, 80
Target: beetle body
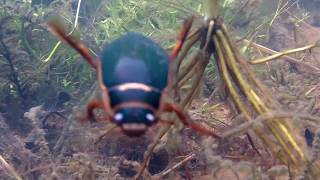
135, 71
134, 74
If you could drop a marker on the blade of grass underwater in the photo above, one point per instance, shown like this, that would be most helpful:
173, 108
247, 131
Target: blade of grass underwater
235, 95
55, 48
254, 98
233, 71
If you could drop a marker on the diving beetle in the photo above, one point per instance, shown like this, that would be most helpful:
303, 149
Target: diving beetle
134, 74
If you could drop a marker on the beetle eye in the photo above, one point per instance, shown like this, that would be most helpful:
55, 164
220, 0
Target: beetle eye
150, 117
118, 116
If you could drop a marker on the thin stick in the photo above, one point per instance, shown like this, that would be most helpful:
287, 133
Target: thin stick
188, 158
105, 134
77, 14
150, 151
268, 116
280, 54
312, 89
9, 168
285, 57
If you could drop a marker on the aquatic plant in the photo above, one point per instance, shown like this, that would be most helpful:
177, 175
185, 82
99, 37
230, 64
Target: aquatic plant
60, 148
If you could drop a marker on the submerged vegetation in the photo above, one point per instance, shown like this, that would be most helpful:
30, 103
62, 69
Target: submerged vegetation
230, 78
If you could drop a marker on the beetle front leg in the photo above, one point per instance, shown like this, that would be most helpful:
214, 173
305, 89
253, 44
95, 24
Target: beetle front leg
168, 107
57, 30
91, 106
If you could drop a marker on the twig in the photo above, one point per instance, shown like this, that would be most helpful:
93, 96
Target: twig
285, 57
150, 151
177, 165
9, 168
77, 14
280, 54
268, 116
136, 166
312, 89
105, 134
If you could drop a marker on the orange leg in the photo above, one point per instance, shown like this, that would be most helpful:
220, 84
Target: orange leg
57, 30
185, 120
92, 105
175, 51
166, 122
181, 38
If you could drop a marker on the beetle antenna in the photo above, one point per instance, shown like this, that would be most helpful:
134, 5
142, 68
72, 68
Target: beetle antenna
58, 31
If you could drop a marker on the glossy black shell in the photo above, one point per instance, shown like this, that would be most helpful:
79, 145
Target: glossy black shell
135, 58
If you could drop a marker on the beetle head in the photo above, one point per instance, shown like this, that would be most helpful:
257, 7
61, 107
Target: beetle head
134, 121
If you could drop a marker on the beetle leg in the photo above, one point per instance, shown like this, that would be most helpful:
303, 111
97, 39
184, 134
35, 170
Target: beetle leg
185, 120
57, 30
179, 42
91, 106
166, 122
105, 92
181, 37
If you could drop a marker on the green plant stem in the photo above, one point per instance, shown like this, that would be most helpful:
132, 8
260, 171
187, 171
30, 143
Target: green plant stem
211, 8
59, 43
